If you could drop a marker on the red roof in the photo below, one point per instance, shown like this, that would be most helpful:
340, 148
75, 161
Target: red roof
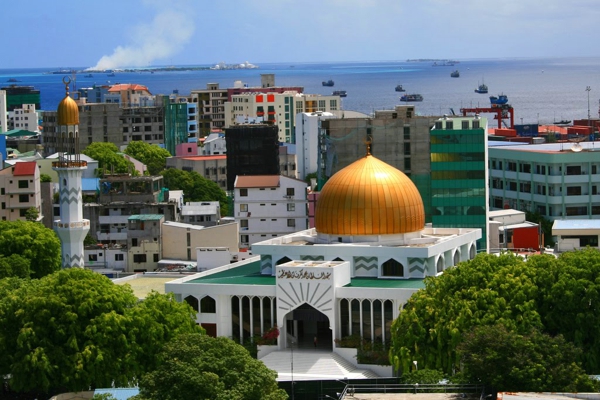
256, 181
119, 87
24, 168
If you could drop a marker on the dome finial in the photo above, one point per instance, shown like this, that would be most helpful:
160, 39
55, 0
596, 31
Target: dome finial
66, 80
368, 142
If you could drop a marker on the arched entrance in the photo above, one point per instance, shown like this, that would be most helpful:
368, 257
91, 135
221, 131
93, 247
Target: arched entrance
305, 324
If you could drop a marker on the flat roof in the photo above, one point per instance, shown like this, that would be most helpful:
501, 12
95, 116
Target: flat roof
142, 285
576, 224
249, 274
146, 217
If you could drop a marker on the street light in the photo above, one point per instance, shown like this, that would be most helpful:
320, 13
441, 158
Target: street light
416, 365
292, 367
588, 89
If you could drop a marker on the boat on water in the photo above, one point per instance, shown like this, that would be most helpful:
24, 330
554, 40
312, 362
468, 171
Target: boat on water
111, 74
328, 83
399, 88
481, 88
341, 93
411, 97
88, 76
455, 74
13, 80
499, 100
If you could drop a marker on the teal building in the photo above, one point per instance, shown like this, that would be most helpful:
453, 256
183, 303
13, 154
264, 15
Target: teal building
459, 182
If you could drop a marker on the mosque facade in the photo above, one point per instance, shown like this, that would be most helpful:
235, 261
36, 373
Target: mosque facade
349, 276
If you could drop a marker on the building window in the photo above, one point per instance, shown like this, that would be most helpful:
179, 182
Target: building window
208, 305
155, 257
290, 191
407, 149
23, 184
244, 207
243, 192
291, 223
407, 133
407, 164
23, 198
573, 190
139, 258
574, 170
119, 257
93, 257
292, 206
244, 223
244, 239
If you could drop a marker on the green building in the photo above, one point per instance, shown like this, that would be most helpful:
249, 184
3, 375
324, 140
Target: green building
459, 183
176, 123
16, 96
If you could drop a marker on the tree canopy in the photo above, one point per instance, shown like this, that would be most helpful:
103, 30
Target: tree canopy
202, 367
34, 244
540, 296
75, 329
195, 187
109, 159
152, 155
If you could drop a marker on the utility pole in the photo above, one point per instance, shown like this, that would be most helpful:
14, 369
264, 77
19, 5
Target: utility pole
588, 89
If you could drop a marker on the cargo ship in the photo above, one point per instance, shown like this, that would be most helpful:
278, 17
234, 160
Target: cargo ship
328, 83
411, 97
499, 100
482, 88
455, 74
399, 88
341, 93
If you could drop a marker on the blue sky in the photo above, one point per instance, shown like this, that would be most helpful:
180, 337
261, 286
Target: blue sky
121, 33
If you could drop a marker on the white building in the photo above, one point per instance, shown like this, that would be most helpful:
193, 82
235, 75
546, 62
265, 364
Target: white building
214, 144
348, 276
268, 206
278, 108
24, 118
557, 180
308, 128
3, 115
205, 213
20, 190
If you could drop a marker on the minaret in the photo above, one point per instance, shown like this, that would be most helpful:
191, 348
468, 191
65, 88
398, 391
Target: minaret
71, 228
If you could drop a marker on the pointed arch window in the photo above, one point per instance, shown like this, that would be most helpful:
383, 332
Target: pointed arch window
392, 268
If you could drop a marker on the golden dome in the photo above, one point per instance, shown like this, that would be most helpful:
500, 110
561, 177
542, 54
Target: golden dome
68, 111
369, 197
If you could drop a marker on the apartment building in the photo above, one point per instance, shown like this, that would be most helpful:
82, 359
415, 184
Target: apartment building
557, 180
268, 206
19, 191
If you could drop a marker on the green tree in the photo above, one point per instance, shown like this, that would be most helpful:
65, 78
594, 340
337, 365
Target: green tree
195, 187
14, 265
109, 159
544, 223
75, 329
32, 214
33, 242
202, 367
533, 362
45, 178
152, 155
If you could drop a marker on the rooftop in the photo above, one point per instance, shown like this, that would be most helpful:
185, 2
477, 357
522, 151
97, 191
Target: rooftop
143, 284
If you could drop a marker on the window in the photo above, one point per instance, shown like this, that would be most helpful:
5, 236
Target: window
155, 257
244, 239
244, 207
573, 190
290, 191
292, 206
23, 184
574, 170
23, 198
291, 222
139, 258
392, 268
244, 223
407, 149
118, 257
407, 133
243, 192
93, 257
208, 305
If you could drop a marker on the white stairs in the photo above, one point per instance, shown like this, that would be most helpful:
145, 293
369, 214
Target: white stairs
311, 364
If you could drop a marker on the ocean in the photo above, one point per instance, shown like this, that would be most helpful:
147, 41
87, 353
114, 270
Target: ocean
540, 90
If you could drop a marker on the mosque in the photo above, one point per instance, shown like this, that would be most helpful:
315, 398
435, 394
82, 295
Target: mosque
368, 253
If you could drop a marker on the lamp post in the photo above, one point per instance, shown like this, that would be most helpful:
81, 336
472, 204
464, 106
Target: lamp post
588, 89
292, 367
416, 365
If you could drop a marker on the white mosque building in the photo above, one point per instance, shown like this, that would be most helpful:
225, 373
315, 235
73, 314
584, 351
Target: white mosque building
350, 275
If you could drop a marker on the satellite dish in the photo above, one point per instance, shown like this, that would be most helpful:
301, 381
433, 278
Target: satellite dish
576, 148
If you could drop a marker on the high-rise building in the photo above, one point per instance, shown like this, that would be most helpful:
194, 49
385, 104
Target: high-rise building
252, 149
17, 95
71, 227
459, 183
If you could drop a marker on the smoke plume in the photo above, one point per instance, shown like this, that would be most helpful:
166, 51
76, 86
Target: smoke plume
163, 37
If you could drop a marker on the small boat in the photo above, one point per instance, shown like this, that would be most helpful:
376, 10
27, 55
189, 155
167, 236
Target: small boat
411, 97
399, 88
111, 74
455, 74
499, 100
482, 88
328, 83
341, 93
88, 76
13, 80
